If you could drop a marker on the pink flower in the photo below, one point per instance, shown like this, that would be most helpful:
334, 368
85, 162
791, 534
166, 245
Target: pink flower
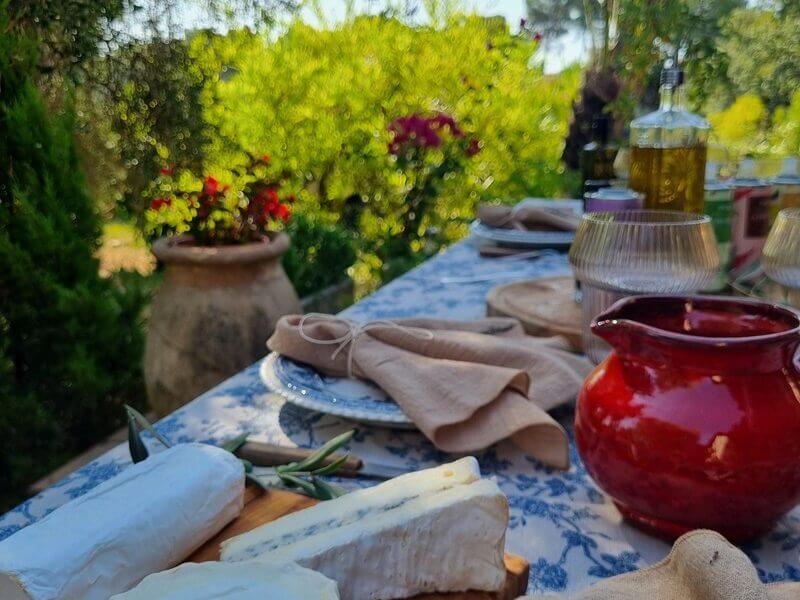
537, 37
418, 131
473, 147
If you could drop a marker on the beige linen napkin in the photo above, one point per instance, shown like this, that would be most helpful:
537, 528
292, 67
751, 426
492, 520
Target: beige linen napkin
702, 565
529, 218
466, 385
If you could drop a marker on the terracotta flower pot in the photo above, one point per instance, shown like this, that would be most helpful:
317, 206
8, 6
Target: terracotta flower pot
212, 315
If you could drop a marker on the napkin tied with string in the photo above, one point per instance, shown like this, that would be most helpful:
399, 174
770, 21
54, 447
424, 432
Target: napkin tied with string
524, 217
464, 384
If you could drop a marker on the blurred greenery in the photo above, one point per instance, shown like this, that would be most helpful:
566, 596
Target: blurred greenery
319, 102
71, 339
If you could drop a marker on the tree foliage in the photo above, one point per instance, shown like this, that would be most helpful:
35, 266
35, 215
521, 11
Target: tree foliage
763, 54
71, 341
319, 102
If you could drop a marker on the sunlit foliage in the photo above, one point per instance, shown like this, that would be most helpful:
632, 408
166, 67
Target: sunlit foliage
320, 101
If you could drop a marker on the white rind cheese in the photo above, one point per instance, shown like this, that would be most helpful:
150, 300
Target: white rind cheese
148, 518
355, 509
249, 580
441, 530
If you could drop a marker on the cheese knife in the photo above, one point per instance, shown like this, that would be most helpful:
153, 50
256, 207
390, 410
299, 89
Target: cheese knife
270, 455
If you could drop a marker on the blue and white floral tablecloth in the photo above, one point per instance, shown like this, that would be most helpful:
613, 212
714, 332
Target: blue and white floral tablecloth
571, 534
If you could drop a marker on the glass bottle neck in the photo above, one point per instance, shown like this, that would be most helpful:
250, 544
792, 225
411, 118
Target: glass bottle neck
671, 98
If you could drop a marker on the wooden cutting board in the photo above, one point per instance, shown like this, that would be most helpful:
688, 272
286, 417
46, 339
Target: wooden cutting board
263, 507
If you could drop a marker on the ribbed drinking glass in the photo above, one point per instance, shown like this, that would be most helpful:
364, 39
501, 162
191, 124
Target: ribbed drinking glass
781, 255
618, 254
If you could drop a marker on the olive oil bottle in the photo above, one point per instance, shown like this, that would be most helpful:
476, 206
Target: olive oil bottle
668, 151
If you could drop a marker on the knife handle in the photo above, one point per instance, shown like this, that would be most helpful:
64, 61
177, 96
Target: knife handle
269, 455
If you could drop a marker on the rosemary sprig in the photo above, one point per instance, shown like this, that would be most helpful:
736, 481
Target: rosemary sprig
303, 475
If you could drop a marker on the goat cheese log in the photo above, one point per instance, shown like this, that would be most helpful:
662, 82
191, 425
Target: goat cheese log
438, 530
148, 518
249, 580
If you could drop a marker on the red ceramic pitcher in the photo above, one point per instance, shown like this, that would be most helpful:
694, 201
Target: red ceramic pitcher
693, 420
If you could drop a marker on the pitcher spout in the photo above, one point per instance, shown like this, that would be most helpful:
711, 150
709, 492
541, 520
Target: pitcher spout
718, 334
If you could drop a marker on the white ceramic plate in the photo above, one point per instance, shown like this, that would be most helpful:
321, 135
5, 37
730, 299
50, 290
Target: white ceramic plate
351, 399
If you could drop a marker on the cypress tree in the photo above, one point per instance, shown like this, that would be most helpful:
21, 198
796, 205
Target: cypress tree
70, 341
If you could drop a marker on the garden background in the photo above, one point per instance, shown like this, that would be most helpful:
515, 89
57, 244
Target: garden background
97, 97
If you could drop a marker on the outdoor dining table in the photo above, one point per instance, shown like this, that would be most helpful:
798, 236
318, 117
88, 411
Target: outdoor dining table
560, 521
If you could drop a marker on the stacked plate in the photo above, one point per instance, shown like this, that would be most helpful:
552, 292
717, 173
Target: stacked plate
514, 238
351, 399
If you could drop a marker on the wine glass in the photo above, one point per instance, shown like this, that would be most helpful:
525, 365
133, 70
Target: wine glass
618, 254
781, 255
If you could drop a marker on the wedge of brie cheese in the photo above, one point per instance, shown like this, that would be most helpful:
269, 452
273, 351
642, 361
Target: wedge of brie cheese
148, 518
438, 530
249, 580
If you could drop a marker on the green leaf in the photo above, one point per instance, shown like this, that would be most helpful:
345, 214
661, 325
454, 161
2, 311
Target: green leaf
331, 468
255, 481
323, 490
248, 466
234, 444
135, 444
304, 485
145, 424
315, 460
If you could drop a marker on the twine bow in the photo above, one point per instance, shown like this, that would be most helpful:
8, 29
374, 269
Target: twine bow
354, 331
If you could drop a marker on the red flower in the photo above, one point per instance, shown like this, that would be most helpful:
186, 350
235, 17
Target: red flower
264, 159
272, 195
473, 147
167, 170
211, 186
537, 37
158, 203
283, 213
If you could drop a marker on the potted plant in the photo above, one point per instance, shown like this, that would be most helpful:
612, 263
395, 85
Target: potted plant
223, 288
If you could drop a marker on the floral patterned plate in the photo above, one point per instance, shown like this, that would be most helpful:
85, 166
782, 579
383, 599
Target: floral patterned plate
351, 399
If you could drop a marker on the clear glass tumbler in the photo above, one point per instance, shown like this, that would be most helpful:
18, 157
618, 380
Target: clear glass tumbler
618, 254
781, 255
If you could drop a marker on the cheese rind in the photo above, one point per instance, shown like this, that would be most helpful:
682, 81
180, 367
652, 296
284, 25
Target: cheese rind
432, 540
148, 518
249, 580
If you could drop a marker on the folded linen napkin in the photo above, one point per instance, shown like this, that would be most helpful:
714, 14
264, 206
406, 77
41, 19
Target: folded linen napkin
466, 385
529, 218
702, 565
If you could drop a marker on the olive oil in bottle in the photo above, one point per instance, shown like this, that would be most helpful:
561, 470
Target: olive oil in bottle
668, 151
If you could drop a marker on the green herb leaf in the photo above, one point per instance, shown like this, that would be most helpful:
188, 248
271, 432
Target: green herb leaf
323, 491
331, 468
255, 481
304, 485
315, 460
234, 444
142, 422
135, 444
